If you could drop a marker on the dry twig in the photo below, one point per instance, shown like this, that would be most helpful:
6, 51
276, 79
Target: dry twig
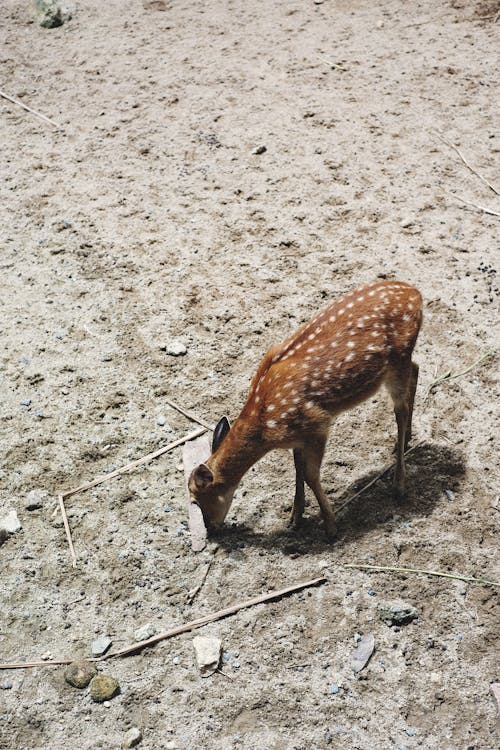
67, 529
189, 414
193, 593
28, 109
390, 569
135, 464
193, 625
454, 375
484, 209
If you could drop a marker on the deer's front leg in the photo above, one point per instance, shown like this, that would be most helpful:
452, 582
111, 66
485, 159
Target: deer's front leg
300, 498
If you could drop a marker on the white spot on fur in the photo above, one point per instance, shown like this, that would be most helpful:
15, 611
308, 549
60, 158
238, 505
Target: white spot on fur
271, 423
351, 344
271, 407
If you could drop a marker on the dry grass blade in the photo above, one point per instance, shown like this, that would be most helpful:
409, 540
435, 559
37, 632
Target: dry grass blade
67, 529
484, 209
135, 464
421, 571
455, 375
375, 479
29, 109
468, 164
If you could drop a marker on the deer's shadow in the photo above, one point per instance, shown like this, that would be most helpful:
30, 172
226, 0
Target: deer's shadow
431, 469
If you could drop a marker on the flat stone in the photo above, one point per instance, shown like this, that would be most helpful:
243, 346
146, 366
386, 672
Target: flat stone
208, 652
10, 523
362, 653
103, 688
397, 612
100, 645
52, 13
132, 738
144, 632
80, 673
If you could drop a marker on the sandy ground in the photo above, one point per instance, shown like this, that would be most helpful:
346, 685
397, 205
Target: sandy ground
147, 218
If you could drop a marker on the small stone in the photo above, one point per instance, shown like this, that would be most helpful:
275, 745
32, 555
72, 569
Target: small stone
132, 738
175, 348
35, 499
6, 685
407, 223
9, 523
333, 689
410, 732
259, 150
362, 653
103, 688
357, 637
144, 632
397, 612
26, 402
208, 652
161, 421
80, 673
100, 645
449, 494
495, 691
52, 13
171, 745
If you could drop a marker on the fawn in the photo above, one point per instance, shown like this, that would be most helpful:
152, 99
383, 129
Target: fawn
331, 363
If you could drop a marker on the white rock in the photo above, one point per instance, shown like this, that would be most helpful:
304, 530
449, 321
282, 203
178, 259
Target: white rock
133, 737
144, 632
207, 651
10, 523
35, 499
175, 348
100, 645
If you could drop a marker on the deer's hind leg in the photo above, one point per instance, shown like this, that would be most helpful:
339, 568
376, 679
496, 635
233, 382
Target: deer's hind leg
299, 500
401, 383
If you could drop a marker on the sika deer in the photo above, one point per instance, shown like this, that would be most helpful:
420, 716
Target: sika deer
332, 363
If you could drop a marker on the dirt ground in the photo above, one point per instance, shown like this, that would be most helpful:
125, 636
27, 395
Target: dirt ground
148, 217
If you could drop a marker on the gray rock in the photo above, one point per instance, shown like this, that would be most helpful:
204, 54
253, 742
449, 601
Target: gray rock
208, 652
35, 499
175, 348
100, 645
362, 653
6, 685
80, 673
132, 738
397, 612
103, 688
144, 632
259, 150
161, 421
10, 523
52, 13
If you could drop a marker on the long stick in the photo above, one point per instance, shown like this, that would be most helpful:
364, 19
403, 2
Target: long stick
138, 462
28, 109
375, 479
189, 414
231, 610
218, 615
387, 568
68, 530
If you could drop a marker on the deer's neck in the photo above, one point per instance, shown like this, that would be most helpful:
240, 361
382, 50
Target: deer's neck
240, 449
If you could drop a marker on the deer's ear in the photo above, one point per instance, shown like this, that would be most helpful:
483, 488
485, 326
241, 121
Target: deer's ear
202, 476
220, 432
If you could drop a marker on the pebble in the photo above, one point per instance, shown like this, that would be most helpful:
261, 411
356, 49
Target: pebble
80, 673
333, 689
52, 13
100, 645
132, 738
10, 523
103, 688
26, 402
449, 494
35, 499
175, 348
6, 685
259, 150
362, 653
144, 632
410, 732
161, 421
357, 637
397, 612
208, 652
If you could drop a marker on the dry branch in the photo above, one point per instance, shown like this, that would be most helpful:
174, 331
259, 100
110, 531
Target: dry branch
135, 464
390, 569
467, 164
189, 414
484, 209
193, 625
455, 375
28, 109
